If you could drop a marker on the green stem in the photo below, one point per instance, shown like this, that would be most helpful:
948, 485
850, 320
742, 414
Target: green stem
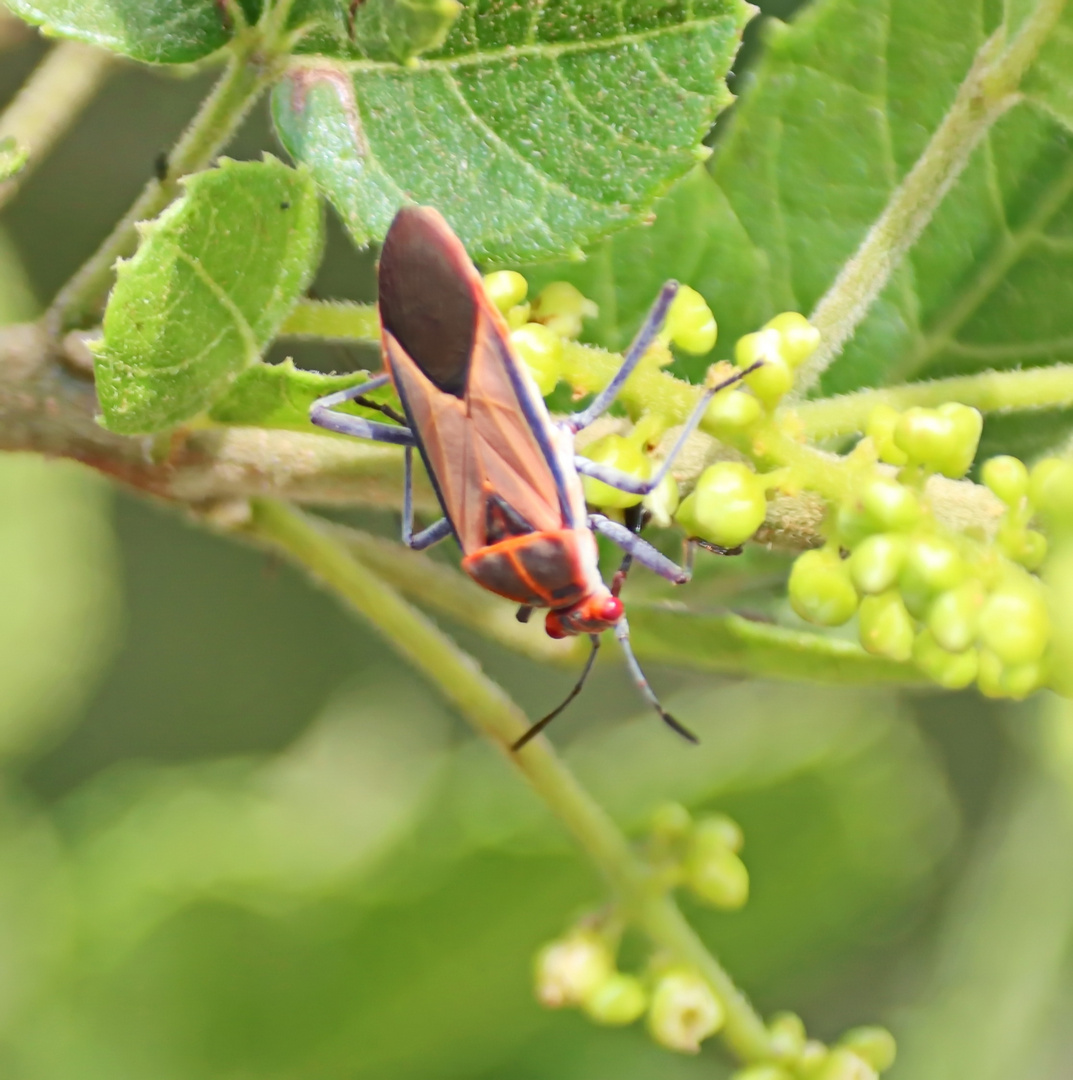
58, 90
333, 320
250, 69
989, 391
987, 92
491, 712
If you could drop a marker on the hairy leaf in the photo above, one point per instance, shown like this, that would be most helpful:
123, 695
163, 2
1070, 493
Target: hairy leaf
819, 140
213, 279
536, 128
159, 32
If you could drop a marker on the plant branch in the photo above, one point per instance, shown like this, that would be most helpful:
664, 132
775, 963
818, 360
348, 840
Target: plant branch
488, 709
48, 406
251, 68
989, 391
989, 89
59, 88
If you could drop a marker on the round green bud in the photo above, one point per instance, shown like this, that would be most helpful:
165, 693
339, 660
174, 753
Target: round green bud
542, 352
953, 671
886, 628
670, 822
1024, 546
968, 425
731, 412
954, 614
761, 1072
571, 969
932, 565
717, 832
726, 507
772, 381
684, 1011
787, 1037
842, 1063
944, 439
999, 680
618, 1000
718, 878
880, 429
505, 288
799, 337
518, 316
892, 506
923, 435
813, 1055
619, 453
1014, 623
764, 345
1007, 477
690, 322
1050, 490
853, 526
876, 562
662, 501
820, 589
875, 1045
561, 308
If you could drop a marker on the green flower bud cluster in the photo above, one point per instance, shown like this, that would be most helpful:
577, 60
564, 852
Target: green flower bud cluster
861, 1054
578, 971
942, 440
702, 855
962, 610
538, 328
782, 345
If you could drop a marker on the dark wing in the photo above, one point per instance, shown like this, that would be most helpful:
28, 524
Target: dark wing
481, 425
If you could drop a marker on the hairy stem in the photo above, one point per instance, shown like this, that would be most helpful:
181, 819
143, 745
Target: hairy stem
492, 713
250, 70
989, 391
58, 90
333, 320
987, 92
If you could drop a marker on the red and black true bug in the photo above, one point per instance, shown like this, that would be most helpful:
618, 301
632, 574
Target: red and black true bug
504, 472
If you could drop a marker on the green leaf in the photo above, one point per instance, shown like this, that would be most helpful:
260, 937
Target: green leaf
279, 396
535, 128
213, 279
156, 31
399, 29
988, 284
12, 158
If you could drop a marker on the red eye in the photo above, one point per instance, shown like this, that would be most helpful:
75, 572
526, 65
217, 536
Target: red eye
611, 610
553, 627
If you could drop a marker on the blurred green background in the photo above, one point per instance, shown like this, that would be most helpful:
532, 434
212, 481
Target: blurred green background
240, 839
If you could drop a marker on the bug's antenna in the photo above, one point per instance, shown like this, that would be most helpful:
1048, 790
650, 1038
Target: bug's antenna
541, 724
622, 632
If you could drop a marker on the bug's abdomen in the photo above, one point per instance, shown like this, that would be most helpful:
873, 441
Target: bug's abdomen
542, 569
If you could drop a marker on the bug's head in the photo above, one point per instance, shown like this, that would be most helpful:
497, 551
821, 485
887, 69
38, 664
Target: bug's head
593, 615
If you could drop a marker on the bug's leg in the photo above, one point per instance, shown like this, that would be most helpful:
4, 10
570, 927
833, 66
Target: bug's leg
635, 486
541, 724
523, 613
322, 413
638, 549
634, 519
622, 632
652, 325
437, 531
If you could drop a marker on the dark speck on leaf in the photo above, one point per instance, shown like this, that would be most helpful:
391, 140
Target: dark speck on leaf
285, 206
160, 166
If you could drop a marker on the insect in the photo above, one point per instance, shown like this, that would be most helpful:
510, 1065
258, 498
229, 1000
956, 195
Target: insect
505, 474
